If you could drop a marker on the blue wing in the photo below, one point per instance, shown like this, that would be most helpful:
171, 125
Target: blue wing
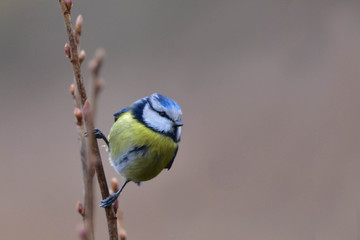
172, 160
117, 114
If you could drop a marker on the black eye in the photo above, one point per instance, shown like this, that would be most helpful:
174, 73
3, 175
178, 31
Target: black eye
163, 114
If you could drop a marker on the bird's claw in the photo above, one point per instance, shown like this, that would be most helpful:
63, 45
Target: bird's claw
109, 200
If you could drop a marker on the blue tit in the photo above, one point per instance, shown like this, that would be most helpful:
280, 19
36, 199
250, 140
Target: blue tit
143, 140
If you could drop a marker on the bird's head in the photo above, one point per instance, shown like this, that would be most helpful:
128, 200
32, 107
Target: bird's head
163, 115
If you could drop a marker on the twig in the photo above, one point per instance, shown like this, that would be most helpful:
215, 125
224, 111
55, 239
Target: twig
94, 66
119, 214
89, 192
91, 158
79, 95
66, 8
87, 210
83, 234
97, 83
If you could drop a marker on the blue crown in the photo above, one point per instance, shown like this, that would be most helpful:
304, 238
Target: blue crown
165, 101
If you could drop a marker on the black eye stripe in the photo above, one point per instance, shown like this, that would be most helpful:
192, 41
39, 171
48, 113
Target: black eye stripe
162, 114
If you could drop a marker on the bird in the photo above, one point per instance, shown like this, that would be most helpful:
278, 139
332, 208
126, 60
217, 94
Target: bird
144, 140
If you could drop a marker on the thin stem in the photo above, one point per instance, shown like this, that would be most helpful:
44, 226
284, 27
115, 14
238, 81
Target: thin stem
91, 159
95, 66
89, 189
74, 52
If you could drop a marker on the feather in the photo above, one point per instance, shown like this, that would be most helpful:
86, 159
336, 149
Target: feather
118, 113
172, 160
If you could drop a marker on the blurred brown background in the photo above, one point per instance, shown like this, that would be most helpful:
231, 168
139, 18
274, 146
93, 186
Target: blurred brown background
270, 96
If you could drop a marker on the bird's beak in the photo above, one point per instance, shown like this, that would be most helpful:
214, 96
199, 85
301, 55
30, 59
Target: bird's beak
178, 123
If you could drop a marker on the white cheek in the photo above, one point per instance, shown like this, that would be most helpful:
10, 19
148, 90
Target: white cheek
154, 120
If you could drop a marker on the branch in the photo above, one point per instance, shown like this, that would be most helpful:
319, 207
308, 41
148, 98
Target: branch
119, 214
86, 211
66, 8
84, 113
94, 66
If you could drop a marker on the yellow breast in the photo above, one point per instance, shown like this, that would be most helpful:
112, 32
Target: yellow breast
137, 152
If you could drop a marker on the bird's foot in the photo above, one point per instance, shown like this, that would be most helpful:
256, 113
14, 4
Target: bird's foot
109, 200
99, 135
